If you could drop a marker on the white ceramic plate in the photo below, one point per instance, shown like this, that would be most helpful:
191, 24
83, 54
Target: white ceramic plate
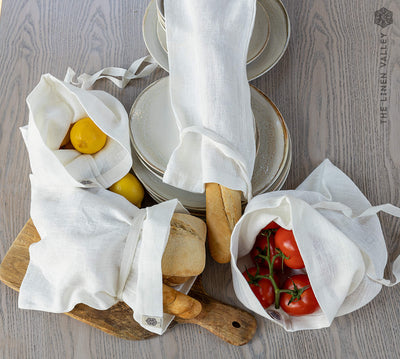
259, 37
154, 136
275, 48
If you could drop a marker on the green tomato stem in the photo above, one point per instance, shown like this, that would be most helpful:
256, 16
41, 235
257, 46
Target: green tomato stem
296, 292
271, 271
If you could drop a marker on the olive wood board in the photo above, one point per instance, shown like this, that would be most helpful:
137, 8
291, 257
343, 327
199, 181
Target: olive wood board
233, 325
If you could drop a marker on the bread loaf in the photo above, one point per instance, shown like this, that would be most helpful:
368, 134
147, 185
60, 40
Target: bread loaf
179, 304
185, 254
173, 281
223, 210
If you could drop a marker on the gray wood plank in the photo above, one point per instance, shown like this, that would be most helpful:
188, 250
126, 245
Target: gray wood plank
328, 89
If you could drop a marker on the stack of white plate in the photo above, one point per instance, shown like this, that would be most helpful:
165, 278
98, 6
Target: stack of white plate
154, 136
268, 43
160, 13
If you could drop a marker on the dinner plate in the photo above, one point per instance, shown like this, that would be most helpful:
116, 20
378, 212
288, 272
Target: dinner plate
154, 136
273, 51
258, 41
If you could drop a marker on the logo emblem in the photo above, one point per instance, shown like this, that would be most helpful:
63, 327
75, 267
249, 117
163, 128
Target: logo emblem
151, 321
383, 17
274, 314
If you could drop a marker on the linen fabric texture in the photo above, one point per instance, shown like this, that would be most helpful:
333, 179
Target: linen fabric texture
339, 237
96, 247
210, 95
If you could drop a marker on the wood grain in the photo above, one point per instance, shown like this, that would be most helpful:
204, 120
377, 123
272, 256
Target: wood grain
327, 88
233, 325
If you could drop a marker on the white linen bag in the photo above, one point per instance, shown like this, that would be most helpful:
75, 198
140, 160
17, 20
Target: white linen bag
210, 96
53, 106
339, 238
96, 247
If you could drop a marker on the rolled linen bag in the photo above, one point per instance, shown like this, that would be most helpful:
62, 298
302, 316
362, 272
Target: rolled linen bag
210, 96
208, 42
98, 249
54, 106
339, 237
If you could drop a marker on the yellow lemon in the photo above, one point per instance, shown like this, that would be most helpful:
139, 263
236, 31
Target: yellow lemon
130, 188
86, 137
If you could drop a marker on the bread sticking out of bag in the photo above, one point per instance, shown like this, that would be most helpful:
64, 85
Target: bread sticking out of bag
179, 304
185, 254
173, 281
184, 257
223, 210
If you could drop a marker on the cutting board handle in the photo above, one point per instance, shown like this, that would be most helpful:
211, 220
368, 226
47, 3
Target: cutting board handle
231, 324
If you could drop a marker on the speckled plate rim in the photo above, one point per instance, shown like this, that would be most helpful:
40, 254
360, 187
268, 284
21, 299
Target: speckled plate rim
286, 135
264, 45
257, 74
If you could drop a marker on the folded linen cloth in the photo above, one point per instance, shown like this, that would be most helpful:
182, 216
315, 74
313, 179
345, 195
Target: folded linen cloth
339, 237
207, 53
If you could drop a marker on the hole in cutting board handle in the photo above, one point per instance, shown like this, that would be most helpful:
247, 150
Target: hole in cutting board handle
236, 324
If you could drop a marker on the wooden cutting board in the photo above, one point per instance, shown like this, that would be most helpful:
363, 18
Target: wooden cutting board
233, 325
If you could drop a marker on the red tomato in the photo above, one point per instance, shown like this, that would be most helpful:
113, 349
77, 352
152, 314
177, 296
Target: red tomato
303, 301
261, 286
272, 225
260, 248
284, 240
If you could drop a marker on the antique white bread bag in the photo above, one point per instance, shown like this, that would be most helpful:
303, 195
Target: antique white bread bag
210, 95
96, 247
339, 237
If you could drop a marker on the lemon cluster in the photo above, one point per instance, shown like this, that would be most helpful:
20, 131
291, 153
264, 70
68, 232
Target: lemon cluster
87, 138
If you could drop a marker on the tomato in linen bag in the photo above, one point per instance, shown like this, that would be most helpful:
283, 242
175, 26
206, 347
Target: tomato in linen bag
328, 215
296, 296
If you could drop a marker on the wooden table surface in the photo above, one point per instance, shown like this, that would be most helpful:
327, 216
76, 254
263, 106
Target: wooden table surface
330, 87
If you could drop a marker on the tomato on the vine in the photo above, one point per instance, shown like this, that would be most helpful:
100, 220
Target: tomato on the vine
302, 300
260, 248
260, 285
284, 241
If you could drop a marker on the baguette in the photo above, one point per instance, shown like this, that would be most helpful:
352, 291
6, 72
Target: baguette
223, 210
179, 304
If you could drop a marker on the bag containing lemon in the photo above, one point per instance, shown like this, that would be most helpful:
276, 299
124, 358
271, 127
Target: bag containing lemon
97, 245
76, 136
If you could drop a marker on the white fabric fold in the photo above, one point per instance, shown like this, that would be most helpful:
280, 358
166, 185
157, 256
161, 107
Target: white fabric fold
338, 235
96, 248
207, 53
155, 232
53, 107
